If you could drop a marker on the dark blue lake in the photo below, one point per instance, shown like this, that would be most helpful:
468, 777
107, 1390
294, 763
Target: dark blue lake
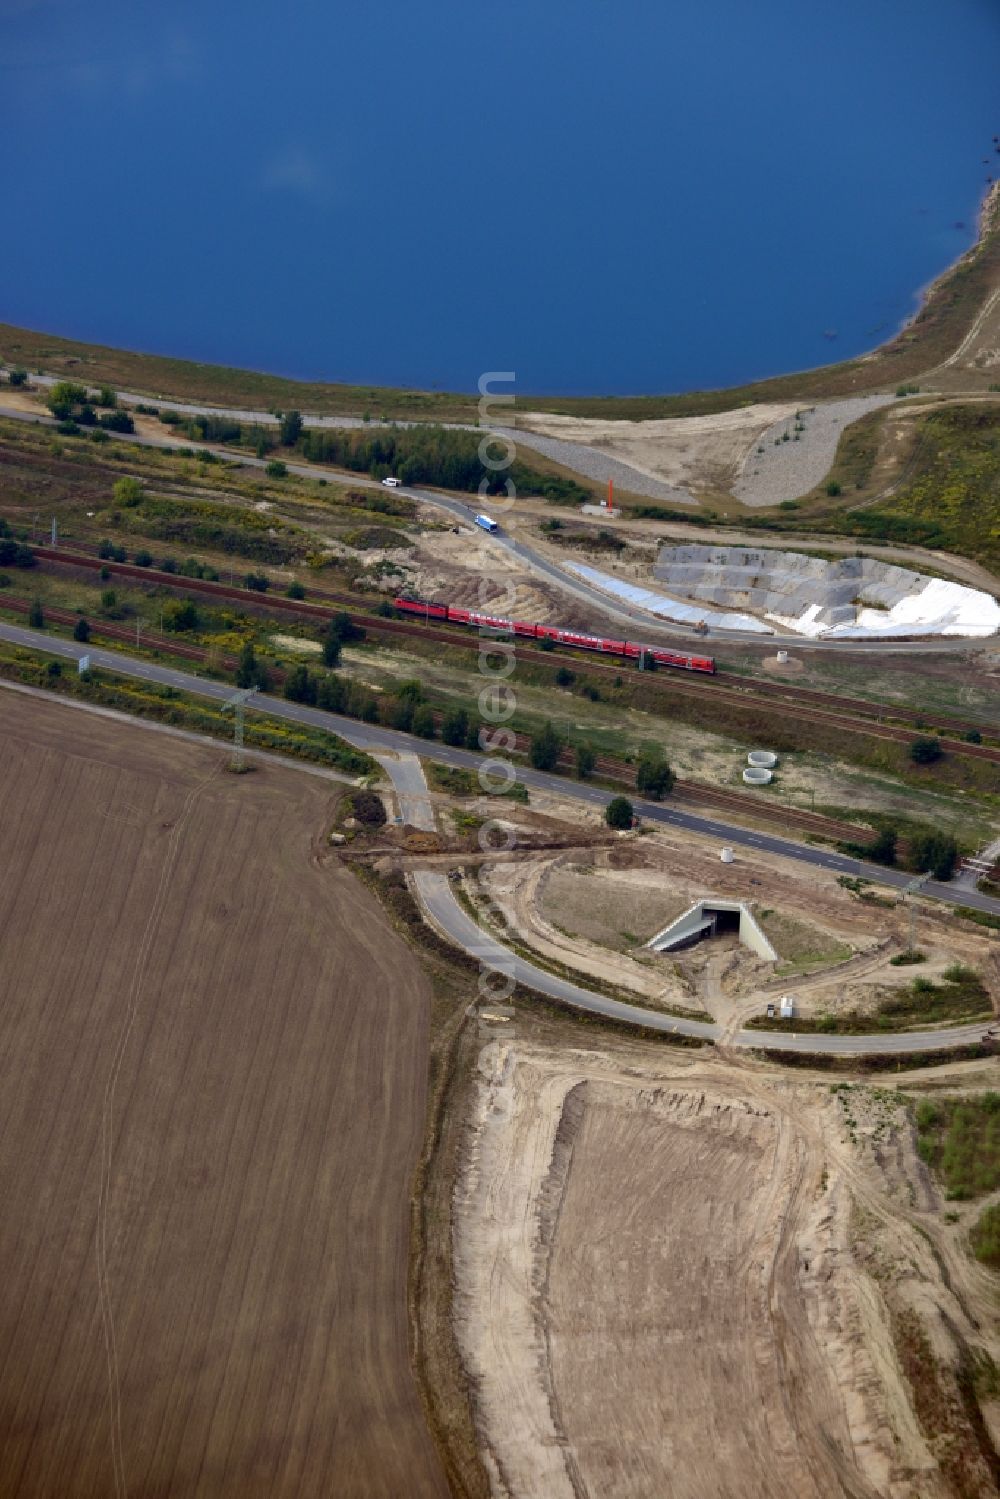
639, 196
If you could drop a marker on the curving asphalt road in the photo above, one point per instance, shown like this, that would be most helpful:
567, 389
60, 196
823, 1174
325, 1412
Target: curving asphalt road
446, 913
398, 753
652, 627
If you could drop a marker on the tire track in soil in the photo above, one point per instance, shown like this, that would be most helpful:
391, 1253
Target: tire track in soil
107, 1128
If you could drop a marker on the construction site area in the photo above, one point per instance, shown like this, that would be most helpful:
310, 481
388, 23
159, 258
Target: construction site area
695, 1271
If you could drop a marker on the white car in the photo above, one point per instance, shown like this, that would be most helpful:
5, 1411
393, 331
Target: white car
391, 483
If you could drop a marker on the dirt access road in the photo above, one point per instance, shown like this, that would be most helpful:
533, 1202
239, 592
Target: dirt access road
211, 1097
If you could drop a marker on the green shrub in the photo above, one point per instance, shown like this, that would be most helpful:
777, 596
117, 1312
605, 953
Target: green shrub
249, 671
300, 685
16, 554
925, 750
180, 615
345, 629
116, 421
455, 726
933, 853
960, 1140
985, 1237
64, 397
129, 491
619, 813
545, 749
423, 721
654, 777
401, 711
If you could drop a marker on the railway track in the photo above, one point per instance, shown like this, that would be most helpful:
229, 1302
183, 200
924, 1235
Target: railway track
611, 769
848, 715
941, 723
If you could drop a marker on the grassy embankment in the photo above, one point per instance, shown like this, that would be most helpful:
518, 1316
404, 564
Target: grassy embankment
182, 710
946, 495
959, 1138
947, 314
961, 997
929, 480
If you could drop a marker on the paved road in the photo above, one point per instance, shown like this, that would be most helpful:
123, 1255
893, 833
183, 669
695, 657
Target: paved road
374, 738
404, 768
646, 627
585, 460
407, 775
436, 894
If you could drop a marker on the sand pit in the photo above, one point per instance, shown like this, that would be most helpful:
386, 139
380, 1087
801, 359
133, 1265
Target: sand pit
690, 1325
699, 450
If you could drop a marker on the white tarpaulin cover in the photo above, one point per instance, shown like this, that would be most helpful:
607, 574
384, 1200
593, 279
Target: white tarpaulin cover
664, 607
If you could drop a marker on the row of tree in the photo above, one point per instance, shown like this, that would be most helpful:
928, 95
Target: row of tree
73, 404
443, 456
928, 851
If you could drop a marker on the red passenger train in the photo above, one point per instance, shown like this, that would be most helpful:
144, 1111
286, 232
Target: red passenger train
599, 643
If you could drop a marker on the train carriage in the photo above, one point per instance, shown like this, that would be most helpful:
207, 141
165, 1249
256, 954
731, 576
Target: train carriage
603, 645
422, 607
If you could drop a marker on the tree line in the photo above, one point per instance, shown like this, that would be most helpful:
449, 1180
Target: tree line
446, 457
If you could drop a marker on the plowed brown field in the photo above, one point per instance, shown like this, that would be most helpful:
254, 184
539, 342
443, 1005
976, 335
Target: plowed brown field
212, 1075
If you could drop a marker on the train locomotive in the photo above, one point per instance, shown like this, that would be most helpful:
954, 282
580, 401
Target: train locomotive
427, 610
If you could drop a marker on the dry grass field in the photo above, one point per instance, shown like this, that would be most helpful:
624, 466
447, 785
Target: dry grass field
212, 1087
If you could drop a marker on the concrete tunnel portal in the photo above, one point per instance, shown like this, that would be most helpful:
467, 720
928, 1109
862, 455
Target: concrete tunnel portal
711, 918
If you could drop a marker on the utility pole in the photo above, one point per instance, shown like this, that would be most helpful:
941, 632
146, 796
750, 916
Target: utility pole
238, 703
909, 892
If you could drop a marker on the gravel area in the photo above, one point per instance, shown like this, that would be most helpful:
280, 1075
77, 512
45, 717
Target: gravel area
787, 470
585, 460
782, 472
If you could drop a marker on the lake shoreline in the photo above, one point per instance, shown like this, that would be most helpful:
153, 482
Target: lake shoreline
947, 310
